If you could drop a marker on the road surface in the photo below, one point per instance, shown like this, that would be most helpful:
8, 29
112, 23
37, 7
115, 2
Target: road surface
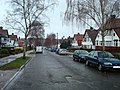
49, 71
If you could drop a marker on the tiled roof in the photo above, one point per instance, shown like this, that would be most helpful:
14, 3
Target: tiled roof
114, 23
92, 34
117, 30
13, 37
3, 32
78, 37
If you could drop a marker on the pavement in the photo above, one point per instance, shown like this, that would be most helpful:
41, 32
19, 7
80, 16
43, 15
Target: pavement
6, 75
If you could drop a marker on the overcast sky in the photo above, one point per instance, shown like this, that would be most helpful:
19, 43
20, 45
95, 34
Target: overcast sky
55, 25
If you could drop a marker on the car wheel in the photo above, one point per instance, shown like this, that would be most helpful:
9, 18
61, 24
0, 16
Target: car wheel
87, 63
100, 68
80, 60
73, 59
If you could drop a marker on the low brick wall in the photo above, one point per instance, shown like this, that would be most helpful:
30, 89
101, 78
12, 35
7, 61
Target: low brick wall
109, 48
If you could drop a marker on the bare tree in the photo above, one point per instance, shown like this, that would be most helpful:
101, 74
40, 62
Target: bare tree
24, 12
98, 11
50, 40
37, 33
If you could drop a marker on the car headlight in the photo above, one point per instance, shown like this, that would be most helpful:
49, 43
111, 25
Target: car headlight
107, 63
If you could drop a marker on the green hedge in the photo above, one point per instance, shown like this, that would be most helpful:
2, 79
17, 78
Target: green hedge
117, 55
4, 53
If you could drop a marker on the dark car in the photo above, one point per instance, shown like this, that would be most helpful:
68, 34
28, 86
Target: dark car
103, 60
80, 55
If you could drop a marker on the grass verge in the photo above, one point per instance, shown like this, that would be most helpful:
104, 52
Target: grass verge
15, 64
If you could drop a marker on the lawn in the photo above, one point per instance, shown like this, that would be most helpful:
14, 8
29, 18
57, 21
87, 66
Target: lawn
15, 64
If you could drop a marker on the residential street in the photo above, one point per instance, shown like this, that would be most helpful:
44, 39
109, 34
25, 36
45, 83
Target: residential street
49, 71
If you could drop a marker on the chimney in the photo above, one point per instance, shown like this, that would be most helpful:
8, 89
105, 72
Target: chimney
91, 28
1, 27
12, 33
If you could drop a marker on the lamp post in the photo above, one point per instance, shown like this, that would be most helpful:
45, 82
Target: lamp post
57, 40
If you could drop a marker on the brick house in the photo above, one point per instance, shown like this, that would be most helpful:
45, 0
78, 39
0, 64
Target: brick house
13, 42
4, 37
112, 38
77, 40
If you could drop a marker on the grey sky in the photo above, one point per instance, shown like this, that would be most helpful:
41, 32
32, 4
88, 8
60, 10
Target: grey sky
55, 25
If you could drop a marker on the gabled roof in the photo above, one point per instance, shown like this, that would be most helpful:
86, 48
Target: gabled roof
117, 30
92, 33
3, 32
114, 23
78, 37
13, 37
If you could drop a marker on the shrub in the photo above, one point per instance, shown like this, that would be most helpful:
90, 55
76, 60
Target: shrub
4, 53
117, 55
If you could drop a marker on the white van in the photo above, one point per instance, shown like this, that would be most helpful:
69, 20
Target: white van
39, 49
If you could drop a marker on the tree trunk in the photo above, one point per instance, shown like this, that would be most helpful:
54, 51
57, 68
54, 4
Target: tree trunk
24, 47
103, 38
34, 45
103, 43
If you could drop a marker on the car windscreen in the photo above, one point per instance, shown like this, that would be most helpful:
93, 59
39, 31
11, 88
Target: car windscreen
83, 52
105, 55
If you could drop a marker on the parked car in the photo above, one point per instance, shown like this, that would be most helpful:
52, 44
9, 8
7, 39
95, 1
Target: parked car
79, 55
103, 60
39, 49
62, 52
53, 49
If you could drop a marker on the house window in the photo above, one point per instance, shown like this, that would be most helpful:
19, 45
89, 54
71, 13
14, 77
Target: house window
101, 44
5, 39
108, 43
115, 42
96, 43
109, 33
113, 34
84, 39
87, 39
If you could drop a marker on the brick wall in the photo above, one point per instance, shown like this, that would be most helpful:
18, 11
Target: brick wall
109, 48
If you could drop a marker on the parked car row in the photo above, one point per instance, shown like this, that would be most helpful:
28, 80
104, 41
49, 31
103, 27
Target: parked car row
101, 59
60, 51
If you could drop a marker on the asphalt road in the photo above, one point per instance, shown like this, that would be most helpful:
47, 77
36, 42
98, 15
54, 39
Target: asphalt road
49, 71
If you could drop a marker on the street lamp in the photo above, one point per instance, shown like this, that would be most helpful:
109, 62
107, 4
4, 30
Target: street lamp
57, 40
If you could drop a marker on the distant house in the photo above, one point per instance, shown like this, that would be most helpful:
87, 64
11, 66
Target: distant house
89, 38
77, 40
13, 42
112, 38
4, 37
20, 42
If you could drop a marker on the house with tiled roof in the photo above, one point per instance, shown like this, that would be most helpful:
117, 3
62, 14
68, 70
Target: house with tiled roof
112, 38
13, 40
4, 37
77, 40
89, 38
